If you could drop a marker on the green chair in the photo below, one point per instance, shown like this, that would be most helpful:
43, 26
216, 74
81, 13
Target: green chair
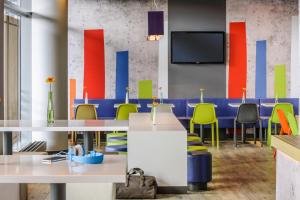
205, 114
274, 119
85, 112
293, 124
123, 112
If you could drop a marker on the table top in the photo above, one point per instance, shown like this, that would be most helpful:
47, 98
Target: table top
270, 105
64, 125
193, 105
30, 169
168, 104
289, 145
77, 104
118, 104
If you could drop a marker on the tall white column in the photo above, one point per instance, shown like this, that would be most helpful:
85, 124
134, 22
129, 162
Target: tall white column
50, 58
295, 62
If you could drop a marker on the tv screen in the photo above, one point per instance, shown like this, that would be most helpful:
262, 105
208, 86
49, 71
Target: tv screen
197, 47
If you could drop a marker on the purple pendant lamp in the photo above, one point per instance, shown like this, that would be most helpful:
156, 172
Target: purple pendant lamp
155, 25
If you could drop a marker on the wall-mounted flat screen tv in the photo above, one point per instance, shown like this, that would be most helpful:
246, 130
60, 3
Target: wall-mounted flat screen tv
197, 47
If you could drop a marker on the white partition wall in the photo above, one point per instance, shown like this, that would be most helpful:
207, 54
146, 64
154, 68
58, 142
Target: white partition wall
50, 58
160, 150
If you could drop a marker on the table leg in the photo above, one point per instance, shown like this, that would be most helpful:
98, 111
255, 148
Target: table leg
58, 191
88, 141
7, 143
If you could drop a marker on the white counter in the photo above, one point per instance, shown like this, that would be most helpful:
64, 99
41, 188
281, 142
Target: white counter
83, 181
30, 169
287, 166
64, 125
160, 150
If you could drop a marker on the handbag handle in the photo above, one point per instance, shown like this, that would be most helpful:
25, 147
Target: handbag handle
135, 171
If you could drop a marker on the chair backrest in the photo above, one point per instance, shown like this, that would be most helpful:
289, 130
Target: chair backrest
247, 113
86, 112
124, 110
293, 123
285, 128
285, 107
163, 108
204, 113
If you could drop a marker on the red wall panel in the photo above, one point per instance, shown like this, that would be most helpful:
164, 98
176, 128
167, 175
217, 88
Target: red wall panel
94, 64
237, 79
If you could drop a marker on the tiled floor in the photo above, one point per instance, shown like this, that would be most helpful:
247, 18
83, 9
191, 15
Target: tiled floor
247, 172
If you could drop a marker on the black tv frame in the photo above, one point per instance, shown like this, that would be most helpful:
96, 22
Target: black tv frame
224, 47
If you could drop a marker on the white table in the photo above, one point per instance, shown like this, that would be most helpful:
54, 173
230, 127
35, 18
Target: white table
9, 126
268, 105
69, 180
77, 104
118, 104
160, 150
193, 105
236, 105
168, 104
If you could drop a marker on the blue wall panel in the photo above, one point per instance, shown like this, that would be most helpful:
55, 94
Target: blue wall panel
121, 74
261, 69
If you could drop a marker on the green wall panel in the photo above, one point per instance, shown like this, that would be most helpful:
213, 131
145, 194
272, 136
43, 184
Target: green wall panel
280, 81
145, 89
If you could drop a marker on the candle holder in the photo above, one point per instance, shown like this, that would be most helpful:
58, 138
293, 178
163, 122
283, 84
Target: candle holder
276, 98
201, 95
161, 95
86, 99
244, 95
127, 95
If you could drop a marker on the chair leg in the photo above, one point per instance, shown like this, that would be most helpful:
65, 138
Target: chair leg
234, 134
254, 133
269, 133
213, 134
242, 134
191, 126
217, 134
260, 133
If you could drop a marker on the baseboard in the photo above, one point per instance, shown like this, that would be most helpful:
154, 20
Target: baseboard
172, 190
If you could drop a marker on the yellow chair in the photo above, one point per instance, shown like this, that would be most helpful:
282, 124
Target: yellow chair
205, 114
86, 112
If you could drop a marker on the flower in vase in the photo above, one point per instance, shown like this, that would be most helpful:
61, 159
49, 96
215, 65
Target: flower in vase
155, 103
50, 79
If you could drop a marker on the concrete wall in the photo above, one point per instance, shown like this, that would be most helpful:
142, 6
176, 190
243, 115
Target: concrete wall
49, 58
186, 80
125, 25
269, 20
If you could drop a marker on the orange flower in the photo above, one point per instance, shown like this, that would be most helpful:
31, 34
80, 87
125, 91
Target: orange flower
50, 79
154, 102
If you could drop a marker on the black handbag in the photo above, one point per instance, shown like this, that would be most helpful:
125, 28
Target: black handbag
137, 186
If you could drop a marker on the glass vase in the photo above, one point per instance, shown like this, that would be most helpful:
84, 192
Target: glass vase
50, 108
